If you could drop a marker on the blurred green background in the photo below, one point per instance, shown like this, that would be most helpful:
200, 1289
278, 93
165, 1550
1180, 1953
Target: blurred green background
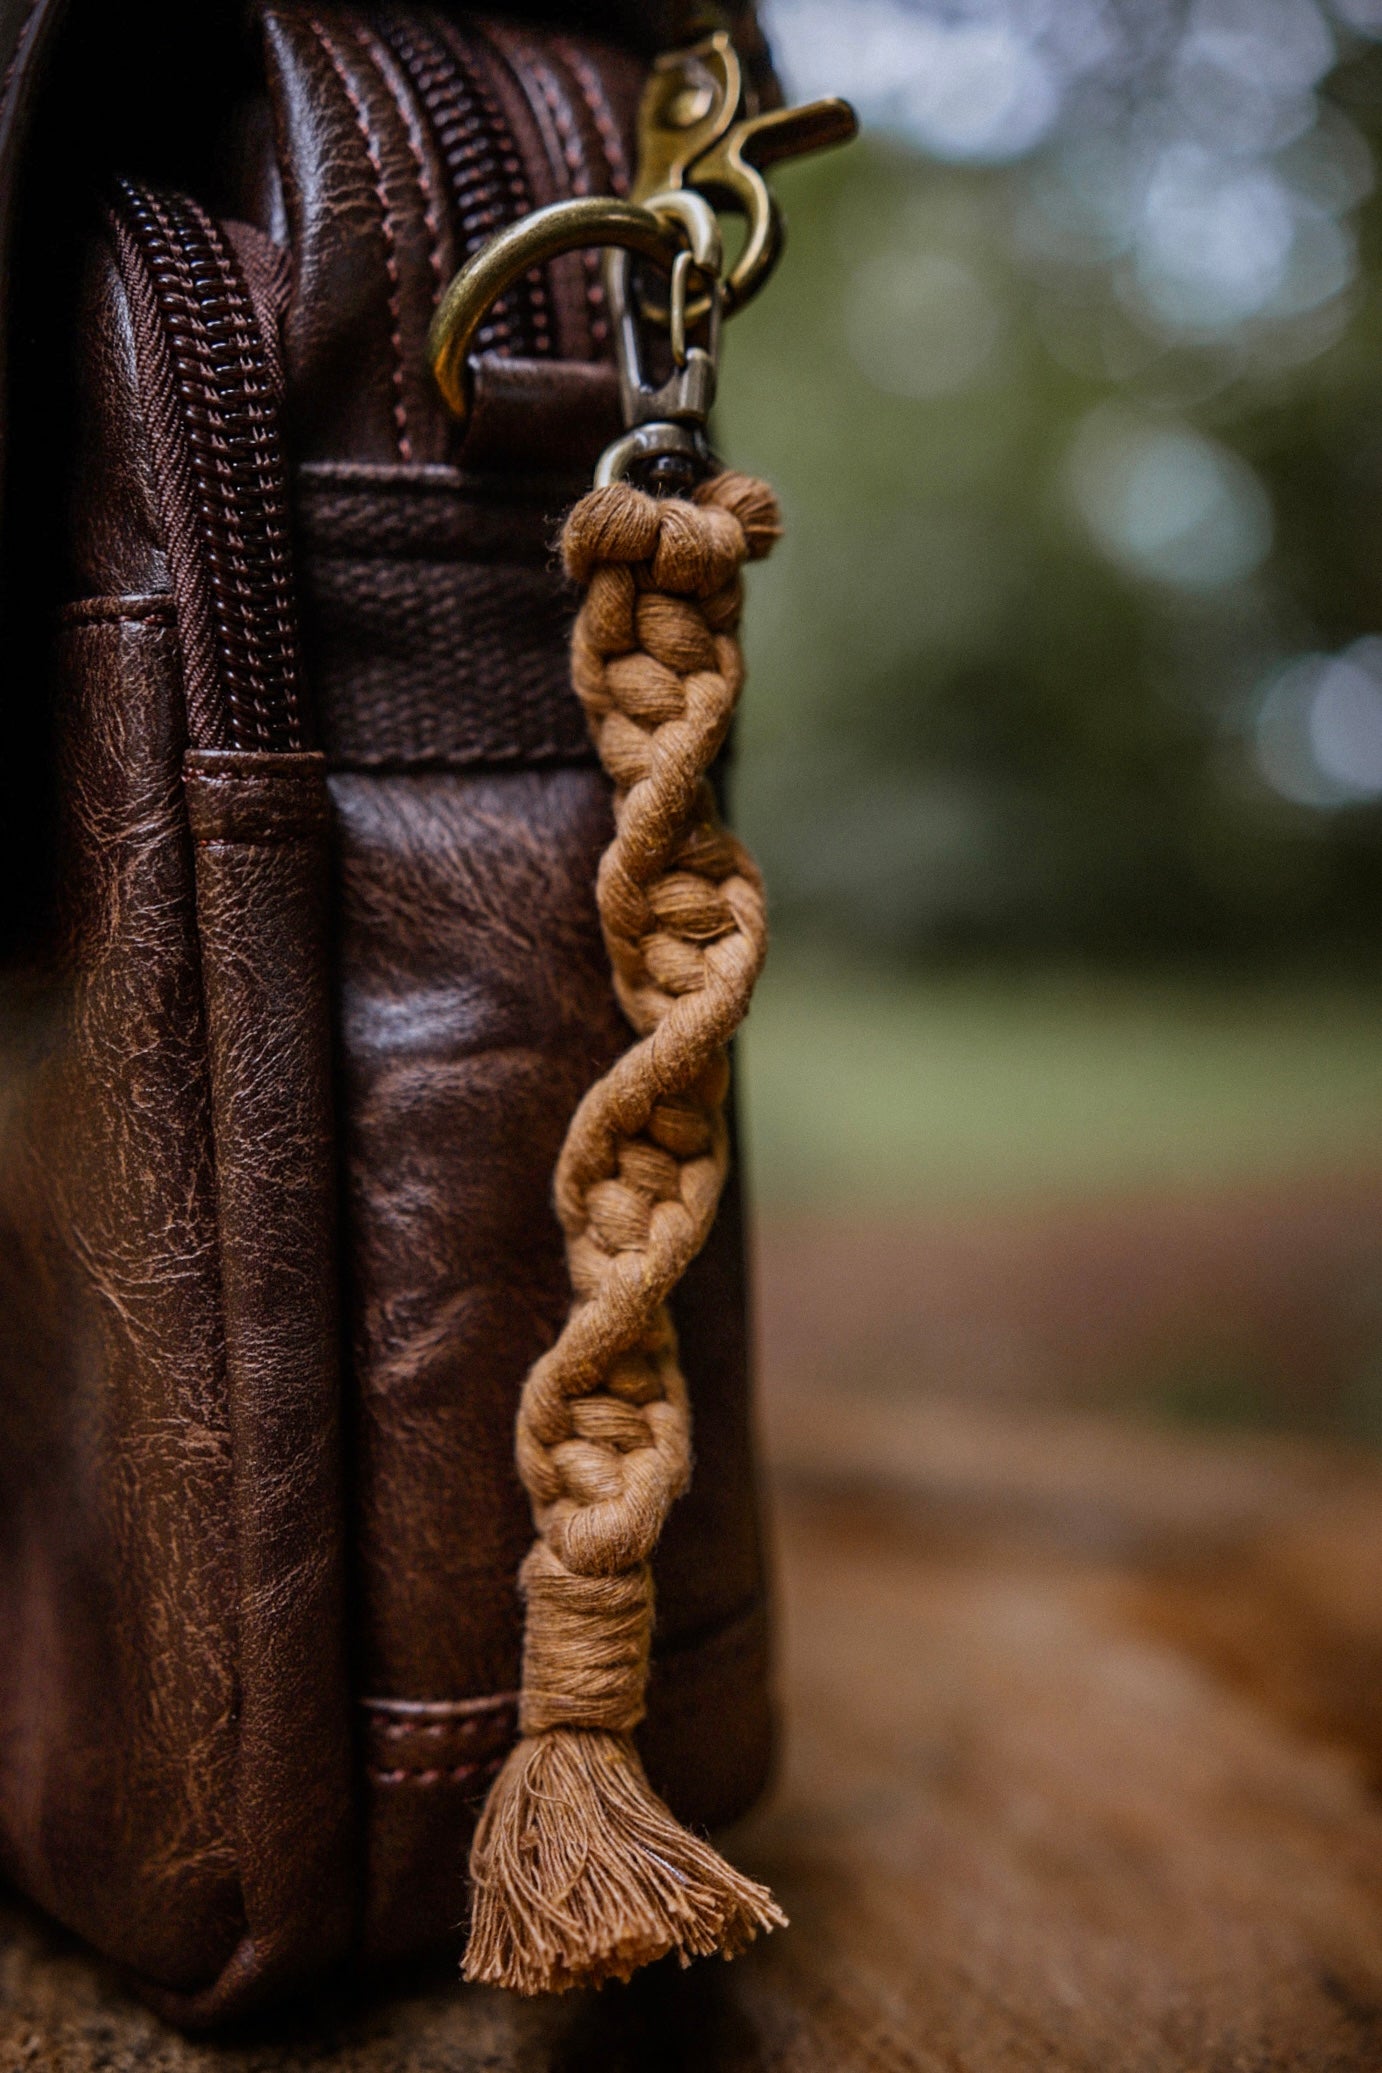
1063, 744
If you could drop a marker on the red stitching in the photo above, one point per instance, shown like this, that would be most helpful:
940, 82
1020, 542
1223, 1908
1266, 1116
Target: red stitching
400, 409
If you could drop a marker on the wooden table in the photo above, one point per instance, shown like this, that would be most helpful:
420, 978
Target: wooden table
1083, 1723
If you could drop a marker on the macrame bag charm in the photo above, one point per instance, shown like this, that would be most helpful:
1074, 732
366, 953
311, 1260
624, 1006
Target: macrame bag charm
579, 1872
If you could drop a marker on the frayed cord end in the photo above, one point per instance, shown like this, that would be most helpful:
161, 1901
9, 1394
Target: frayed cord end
580, 1874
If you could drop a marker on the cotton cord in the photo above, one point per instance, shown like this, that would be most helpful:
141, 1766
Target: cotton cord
579, 1872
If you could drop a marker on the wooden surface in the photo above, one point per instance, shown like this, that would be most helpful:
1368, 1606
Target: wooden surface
1083, 1719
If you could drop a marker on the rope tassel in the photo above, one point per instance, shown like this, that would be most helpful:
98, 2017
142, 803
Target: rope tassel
579, 1872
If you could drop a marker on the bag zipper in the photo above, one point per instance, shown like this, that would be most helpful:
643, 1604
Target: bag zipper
213, 389
460, 75
489, 186
214, 384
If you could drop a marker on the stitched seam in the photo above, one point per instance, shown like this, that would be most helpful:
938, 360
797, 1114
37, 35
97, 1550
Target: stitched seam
490, 763
430, 1730
444, 1710
576, 166
400, 408
566, 130
117, 611
264, 841
601, 114
233, 780
457, 1774
386, 66
520, 53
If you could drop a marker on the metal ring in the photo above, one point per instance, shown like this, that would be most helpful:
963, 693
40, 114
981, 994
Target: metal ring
569, 226
650, 443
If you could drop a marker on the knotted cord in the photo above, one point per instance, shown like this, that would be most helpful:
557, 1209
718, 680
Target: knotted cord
579, 1872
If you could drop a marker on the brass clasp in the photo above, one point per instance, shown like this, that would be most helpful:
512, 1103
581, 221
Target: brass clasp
702, 145
697, 128
666, 424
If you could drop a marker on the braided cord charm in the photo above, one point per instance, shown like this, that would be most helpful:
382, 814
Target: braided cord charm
579, 1872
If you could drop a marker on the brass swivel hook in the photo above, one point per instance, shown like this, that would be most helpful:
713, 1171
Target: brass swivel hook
666, 437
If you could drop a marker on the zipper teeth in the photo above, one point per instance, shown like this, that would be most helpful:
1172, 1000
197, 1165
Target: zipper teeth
488, 184
226, 413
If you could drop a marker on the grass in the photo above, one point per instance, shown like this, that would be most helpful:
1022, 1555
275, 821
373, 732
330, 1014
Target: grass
865, 1089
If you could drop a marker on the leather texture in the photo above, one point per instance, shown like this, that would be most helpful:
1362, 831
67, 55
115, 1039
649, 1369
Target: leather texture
176, 1772
118, 1599
276, 1241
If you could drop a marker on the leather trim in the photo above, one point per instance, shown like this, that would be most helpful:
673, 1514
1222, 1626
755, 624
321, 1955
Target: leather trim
259, 825
118, 1614
541, 415
26, 37
417, 1743
119, 611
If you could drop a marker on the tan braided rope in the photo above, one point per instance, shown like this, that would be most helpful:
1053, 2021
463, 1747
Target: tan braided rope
579, 1872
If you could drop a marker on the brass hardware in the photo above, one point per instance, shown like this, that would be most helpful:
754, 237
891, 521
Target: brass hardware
545, 234
697, 130
692, 214
691, 98
653, 445
666, 438
682, 267
702, 143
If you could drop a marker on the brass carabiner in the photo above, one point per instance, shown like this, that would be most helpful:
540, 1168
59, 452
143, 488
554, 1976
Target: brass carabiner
570, 226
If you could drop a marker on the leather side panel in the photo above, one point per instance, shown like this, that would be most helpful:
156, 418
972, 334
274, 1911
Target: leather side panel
472, 1018
117, 1577
259, 825
474, 1012
176, 1776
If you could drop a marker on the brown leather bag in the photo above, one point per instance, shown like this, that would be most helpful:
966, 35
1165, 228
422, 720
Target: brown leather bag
279, 1125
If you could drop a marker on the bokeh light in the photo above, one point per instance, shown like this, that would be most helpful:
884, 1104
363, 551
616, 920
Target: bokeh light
1070, 386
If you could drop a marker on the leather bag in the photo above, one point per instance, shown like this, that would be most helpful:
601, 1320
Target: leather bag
302, 822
